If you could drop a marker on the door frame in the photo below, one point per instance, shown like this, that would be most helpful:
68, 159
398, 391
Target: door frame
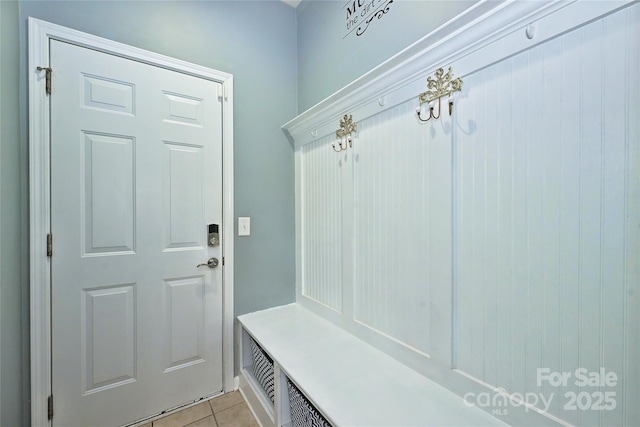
40, 33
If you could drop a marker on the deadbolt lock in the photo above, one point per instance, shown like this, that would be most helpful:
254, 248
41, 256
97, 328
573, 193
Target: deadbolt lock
213, 236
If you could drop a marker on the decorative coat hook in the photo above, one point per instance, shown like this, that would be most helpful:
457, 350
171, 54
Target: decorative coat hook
442, 85
343, 135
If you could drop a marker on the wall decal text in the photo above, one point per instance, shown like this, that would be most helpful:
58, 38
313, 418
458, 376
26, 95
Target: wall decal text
360, 13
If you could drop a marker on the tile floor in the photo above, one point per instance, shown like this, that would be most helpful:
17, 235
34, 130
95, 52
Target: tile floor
229, 410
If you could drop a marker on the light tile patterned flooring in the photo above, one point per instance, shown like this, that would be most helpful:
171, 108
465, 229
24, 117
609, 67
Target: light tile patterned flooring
229, 410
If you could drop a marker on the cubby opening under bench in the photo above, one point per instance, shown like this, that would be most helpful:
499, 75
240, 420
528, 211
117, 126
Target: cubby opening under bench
299, 369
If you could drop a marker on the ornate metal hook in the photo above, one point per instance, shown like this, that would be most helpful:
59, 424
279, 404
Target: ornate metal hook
442, 85
344, 138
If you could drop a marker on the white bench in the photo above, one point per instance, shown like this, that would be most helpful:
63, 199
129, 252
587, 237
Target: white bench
350, 382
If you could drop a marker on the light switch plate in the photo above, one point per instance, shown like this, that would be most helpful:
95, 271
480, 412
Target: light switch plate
244, 226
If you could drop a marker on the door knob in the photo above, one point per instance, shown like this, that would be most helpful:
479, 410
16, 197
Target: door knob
211, 263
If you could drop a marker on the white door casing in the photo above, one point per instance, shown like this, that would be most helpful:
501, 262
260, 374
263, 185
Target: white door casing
119, 240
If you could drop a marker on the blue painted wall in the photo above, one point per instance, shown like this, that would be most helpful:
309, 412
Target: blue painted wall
329, 58
253, 40
14, 243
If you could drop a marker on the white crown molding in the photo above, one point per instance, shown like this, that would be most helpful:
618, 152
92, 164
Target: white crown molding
292, 3
484, 34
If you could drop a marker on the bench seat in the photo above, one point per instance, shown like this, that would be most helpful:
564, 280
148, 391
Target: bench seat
348, 380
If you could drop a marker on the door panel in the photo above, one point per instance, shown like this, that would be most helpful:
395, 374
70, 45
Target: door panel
108, 200
182, 109
105, 94
185, 315
103, 330
184, 199
136, 175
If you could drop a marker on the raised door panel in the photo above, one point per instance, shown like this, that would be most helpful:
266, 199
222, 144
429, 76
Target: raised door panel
183, 109
108, 323
183, 198
106, 94
108, 198
184, 332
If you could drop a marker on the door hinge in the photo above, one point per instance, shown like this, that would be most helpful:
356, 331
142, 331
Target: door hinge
49, 245
48, 71
222, 260
50, 407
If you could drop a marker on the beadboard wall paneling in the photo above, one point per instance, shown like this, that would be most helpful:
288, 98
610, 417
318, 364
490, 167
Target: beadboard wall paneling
321, 205
546, 217
481, 248
402, 222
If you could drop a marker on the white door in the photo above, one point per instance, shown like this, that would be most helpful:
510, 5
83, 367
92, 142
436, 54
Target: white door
136, 177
